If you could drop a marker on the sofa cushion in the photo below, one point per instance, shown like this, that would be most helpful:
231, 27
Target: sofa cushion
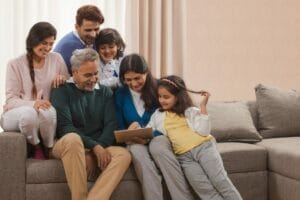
278, 111
282, 187
52, 171
232, 122
252, 106
45, 171
242, 157
283, 156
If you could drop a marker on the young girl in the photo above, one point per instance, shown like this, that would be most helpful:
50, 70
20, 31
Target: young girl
135, 102
110, 47
29, 80
188, 129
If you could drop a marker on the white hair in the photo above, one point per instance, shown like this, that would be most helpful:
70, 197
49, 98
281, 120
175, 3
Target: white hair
80, 56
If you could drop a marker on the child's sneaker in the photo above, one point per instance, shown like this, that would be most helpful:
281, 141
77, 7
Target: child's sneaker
39, 154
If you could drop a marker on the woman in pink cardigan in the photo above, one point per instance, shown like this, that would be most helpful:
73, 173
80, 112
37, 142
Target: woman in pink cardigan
29, 79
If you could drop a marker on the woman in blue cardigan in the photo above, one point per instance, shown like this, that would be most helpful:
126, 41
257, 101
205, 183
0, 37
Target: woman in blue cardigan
136, 101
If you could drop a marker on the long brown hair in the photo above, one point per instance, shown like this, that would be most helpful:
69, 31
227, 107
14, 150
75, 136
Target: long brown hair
176, 86
136, 63
38, 33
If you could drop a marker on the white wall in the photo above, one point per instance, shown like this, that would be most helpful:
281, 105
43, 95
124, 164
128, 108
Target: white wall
233, 45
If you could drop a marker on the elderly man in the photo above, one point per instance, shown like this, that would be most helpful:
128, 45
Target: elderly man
86, 120
88, 21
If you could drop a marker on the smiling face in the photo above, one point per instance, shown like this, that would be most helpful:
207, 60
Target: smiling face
166, 99
86, 76
44, 47
108, 52
88, 31
135, 81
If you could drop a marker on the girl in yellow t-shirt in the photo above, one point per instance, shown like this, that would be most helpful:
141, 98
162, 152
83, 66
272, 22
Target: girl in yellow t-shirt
188, 129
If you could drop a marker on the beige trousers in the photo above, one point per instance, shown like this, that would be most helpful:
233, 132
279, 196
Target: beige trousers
71, 151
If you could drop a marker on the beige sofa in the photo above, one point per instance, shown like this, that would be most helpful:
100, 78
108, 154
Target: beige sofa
261, 169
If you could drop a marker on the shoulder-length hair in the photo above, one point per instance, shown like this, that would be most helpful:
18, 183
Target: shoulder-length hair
111, 36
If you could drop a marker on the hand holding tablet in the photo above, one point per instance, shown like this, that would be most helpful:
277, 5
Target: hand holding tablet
123, 136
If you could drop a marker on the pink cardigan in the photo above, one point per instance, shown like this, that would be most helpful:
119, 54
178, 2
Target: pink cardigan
19, 85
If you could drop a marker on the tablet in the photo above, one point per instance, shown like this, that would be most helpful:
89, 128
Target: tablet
126, 135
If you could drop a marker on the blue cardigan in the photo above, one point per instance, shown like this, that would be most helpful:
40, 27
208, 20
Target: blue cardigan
66, 46
126, 111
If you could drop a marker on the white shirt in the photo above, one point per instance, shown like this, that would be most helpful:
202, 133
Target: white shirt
86, 45
198, 122
109, 73
138, 102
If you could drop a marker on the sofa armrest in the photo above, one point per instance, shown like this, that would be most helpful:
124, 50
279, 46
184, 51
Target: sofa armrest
12, 165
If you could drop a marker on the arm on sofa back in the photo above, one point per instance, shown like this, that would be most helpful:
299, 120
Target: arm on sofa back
13, 151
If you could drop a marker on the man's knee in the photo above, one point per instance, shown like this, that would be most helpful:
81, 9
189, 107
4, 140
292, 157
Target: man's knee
121, 153
72, 142
124, 153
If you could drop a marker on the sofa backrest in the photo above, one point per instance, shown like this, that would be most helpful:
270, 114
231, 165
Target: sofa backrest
252, 106
278, 111
234, 121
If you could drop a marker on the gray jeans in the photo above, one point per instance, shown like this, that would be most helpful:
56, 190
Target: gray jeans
146, 171
149, 175
161, 151
203, 167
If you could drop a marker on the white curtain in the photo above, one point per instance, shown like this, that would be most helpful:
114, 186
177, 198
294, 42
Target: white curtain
158, 32
17, 17
154, 28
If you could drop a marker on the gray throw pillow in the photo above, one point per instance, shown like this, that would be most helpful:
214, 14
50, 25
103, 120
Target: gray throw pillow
232, 122
278, 111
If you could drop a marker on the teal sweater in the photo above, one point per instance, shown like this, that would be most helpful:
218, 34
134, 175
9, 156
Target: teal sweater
91, 115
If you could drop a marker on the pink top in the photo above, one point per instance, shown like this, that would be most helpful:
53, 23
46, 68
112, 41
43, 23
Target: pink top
19, 85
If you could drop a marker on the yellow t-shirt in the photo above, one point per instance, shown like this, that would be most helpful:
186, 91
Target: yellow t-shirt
182, 137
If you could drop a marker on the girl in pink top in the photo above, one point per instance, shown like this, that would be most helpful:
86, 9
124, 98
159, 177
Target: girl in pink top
29, 79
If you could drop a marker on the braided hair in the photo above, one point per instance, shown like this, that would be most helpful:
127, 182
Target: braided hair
38, 33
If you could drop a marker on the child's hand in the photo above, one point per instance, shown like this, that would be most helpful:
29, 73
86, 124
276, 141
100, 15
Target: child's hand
205, 96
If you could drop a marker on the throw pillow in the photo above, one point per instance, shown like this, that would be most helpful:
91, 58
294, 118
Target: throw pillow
278, 111
232, 122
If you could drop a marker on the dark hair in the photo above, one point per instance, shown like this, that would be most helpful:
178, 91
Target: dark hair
90, 13
176, 86
136, 63
110, 36
37, 34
